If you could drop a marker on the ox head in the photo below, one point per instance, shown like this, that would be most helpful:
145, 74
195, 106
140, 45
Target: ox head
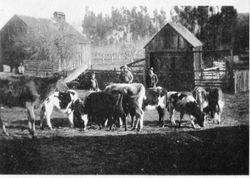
65, 98
155, 96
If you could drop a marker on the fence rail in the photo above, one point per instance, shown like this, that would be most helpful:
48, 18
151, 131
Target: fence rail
41, 68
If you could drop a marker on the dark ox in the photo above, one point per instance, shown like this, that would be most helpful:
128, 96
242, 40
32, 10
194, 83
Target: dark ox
185, 104
133, 96
27, 92
210, 101
99, 106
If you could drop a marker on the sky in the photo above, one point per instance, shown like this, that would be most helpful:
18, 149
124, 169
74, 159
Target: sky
74, 9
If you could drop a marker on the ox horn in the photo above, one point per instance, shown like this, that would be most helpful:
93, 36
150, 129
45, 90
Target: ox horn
78, 71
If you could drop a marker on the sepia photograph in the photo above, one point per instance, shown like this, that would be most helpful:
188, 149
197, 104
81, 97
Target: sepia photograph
124, 87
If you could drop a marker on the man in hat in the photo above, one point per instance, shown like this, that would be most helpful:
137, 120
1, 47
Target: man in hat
21, 68
151, 79
93, 82
126, 75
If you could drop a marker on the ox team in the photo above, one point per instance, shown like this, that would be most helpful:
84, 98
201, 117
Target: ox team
119, 100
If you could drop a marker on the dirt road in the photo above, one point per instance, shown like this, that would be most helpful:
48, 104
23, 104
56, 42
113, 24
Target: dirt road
216, 149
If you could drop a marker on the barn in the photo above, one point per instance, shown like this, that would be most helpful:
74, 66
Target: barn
174, 54
43, 45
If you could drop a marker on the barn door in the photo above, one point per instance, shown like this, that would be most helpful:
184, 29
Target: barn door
175, 70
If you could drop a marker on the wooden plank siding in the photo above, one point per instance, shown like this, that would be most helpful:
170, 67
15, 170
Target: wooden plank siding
241, 81
173, 56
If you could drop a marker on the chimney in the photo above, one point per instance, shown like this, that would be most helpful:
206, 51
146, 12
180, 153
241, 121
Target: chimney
59, 17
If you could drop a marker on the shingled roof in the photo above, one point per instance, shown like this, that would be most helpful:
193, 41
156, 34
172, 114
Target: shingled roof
42, 25
184, 32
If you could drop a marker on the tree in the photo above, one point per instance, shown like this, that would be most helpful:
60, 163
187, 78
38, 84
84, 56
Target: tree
241, 33
213, 27
137, 21
229, 20
48, 44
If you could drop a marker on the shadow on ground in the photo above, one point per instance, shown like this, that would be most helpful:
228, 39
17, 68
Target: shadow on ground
216, 151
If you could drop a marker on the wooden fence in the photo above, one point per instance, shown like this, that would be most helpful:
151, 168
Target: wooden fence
241, 81
211, 78
40, 68
104, 77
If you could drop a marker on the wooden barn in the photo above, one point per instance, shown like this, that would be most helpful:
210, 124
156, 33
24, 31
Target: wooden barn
43, 45
171, 53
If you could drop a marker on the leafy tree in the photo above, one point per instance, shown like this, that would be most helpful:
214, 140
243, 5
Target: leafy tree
135, 21
41, 44
215, 28
241, 41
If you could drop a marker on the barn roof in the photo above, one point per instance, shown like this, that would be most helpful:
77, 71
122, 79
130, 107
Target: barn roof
42, 25
183, 31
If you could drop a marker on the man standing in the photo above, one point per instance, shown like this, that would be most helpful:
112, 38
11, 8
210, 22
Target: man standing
21, 68
126, 76
93, 82
151, 79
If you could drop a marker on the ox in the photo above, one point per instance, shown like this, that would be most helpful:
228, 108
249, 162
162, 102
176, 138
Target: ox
120, 111
134, 94
99, 106
66, 102
156, 99
185, 104
210, 101
27, 92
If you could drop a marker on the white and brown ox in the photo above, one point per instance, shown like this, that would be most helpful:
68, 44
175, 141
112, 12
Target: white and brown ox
210, 101
30, 92
66, 102
27, 92
133, 96
155, 99
185, 103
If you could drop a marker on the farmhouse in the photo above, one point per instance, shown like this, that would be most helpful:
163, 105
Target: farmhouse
171, 53
43, 45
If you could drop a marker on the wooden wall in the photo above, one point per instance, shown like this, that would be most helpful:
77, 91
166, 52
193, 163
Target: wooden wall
81, 55
241, 81
167, 53
168, 38
16, 28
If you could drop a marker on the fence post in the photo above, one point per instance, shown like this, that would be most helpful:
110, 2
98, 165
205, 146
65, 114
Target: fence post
37, 69
231, 54
103, 59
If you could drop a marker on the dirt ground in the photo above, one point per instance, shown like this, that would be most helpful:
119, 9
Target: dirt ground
214, 150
